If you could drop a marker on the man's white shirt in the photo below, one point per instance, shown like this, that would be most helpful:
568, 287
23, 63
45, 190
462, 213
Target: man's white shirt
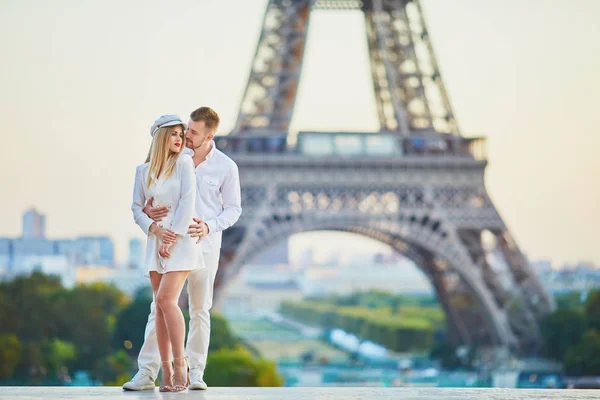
218, 195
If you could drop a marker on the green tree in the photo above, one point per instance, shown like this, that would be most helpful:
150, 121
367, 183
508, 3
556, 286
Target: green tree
237, 367
571, 300
10, 355
220, 334
88, 321
27, 308
58, 354
114, 369
32, 367
131, 324
584, 357
267, 375
592, 310
395, 303
560, 330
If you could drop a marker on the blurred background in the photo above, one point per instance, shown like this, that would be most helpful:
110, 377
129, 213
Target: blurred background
82, 83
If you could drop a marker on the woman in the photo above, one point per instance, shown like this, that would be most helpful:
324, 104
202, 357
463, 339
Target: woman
168, 176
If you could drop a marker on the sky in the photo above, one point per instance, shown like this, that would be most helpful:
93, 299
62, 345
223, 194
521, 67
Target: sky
82, 82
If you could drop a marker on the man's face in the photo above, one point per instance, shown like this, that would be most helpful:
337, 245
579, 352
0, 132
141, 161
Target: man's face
197, 135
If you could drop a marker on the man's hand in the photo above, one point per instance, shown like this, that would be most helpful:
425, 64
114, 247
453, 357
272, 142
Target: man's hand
199, 229
155, 213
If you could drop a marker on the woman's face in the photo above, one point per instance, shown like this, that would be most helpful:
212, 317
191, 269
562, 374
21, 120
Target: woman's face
176, 139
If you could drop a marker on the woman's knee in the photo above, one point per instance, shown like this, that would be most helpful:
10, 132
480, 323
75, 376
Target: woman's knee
164, 300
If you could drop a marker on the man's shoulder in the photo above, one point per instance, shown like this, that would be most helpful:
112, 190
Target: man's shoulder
225, 160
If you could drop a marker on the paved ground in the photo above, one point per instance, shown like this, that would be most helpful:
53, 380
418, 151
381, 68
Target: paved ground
116, 393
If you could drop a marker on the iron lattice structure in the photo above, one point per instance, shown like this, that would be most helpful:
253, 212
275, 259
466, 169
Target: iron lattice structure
408, 87
417, 184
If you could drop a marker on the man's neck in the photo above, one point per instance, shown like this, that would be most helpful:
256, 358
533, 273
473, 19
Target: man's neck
201, 152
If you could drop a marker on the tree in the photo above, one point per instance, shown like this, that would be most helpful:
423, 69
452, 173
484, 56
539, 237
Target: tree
584, 357
395, 303
592, 310
571, 300
236, 367
267, 374
10, 355
114, 369
27, 308
88, 317
131, 324
220, 334
560, 330
58, 354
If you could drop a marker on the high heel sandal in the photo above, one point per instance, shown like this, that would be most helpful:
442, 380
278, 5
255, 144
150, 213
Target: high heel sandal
180, 388
167, 388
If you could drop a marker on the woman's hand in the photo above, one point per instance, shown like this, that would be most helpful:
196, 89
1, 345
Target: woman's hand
164, 235
163, 250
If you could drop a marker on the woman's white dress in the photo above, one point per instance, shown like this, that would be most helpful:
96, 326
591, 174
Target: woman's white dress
178, 193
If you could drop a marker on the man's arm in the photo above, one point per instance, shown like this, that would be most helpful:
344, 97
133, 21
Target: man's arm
232, 203
139, 200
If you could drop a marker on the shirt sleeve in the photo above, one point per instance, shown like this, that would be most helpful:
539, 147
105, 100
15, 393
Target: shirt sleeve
184, 214
139, 202
232, 203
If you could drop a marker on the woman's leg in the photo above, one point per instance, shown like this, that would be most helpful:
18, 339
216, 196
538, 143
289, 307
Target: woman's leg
168, 294
162, 336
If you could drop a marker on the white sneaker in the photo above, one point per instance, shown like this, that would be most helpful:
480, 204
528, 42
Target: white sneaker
197, 380
141, 381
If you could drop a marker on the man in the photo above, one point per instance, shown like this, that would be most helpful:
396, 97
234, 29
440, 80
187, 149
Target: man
218, 202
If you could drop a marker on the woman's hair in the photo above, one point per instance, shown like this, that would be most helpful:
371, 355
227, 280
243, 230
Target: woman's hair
161, 159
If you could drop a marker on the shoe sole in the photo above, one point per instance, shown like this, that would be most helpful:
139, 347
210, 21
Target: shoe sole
198, 387
148, 387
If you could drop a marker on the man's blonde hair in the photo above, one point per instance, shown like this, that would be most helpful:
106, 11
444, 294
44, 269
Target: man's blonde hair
208, 115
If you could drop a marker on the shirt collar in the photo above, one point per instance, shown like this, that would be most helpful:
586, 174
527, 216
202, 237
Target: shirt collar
212, 150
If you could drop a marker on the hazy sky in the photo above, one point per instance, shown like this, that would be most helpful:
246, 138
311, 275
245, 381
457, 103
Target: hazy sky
82, 81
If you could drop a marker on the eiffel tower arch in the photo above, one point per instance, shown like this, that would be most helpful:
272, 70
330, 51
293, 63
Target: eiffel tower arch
417, 184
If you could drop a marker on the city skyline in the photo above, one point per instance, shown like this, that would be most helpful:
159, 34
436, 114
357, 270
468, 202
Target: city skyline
523, 80
298, 249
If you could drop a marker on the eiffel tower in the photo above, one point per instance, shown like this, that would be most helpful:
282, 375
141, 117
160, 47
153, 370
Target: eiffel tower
416, 185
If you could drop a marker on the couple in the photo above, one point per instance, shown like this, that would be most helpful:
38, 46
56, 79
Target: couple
184, 196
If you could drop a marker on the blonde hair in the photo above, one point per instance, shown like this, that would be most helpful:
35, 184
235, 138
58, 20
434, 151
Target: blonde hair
162, 160
208, 115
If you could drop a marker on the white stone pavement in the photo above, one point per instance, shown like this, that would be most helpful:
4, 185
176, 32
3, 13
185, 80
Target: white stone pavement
359, 393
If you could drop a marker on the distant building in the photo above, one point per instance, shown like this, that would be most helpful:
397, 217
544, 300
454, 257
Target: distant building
66, 247
126, 280
402, 277
261, 288
541, 266
306, 257
34, 224
278, 254
5, 254
26, 252
94, 250
136, 253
